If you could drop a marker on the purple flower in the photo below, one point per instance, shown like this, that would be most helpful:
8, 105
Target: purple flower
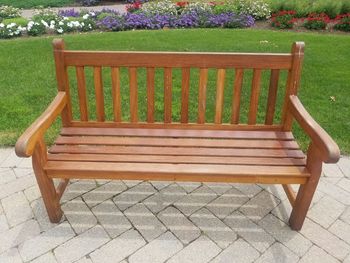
191, 19
69, 13
114, 23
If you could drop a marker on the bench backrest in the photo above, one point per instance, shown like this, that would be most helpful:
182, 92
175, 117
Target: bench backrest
130, 90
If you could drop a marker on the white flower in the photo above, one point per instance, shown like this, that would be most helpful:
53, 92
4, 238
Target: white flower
86, 16
53, 22
60, 30
65, 18
2, 25
61, 23
20, 28
52, 26
92, 13
11, 25
44, 23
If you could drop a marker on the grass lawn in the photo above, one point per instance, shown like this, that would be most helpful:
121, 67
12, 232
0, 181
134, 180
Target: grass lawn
27, 79
35, 3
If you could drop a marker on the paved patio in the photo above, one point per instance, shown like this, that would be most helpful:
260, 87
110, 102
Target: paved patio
129, 221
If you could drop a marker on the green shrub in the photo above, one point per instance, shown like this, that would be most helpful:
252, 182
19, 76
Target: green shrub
331, 8
46, 15
9, 12
225, 8
21, 21
317, 21
36, 28
345, 8
259, 9
283, 19
343, 23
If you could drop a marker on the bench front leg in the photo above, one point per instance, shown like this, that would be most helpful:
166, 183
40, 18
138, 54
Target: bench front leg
306, 191
47, 188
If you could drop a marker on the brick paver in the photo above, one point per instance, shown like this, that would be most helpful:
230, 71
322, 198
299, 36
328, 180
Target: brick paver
135, 221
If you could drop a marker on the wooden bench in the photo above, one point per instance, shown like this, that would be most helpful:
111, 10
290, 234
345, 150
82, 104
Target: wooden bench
252, 146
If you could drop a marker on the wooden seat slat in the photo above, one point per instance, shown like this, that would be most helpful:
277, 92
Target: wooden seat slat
184, 133
107, 149
183, 142
103, 168
176, 159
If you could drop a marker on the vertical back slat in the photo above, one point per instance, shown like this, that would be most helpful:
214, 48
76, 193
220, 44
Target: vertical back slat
115, 72
254, 97
62, 79
293, 82
203, 80
167, 94
185, 87
272, 97
220, 84
133, 94
237, 89
100, 112
150, 94
82, 93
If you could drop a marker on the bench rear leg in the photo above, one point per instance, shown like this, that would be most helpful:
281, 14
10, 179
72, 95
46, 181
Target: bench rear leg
46, 185
306, 191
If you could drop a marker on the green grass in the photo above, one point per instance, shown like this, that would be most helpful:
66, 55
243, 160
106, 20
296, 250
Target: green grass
36, 3
27, 79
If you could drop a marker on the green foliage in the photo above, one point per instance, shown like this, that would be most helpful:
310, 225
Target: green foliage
225, 8
36, 28
21, 21
9, 12
316, 21
45, 15
283, 19
259, 9
329, 7
345, 7
344, 23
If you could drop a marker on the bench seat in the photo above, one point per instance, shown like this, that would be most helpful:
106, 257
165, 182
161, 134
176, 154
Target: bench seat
178, 154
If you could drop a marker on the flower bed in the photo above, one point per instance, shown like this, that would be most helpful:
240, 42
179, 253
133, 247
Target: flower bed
153, 15
314, 21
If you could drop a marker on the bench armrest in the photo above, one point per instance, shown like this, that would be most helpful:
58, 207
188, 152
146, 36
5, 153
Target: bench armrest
26, 143
329, 150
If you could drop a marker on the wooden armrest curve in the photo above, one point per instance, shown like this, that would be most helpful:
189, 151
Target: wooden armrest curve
329, 150
26, 143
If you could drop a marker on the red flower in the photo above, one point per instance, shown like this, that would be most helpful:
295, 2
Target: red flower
182, 4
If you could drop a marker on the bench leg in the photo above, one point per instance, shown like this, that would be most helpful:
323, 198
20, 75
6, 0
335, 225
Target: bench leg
306, 191
46, 185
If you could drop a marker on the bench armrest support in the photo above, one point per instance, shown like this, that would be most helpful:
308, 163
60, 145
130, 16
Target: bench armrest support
26, 143
329, 150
